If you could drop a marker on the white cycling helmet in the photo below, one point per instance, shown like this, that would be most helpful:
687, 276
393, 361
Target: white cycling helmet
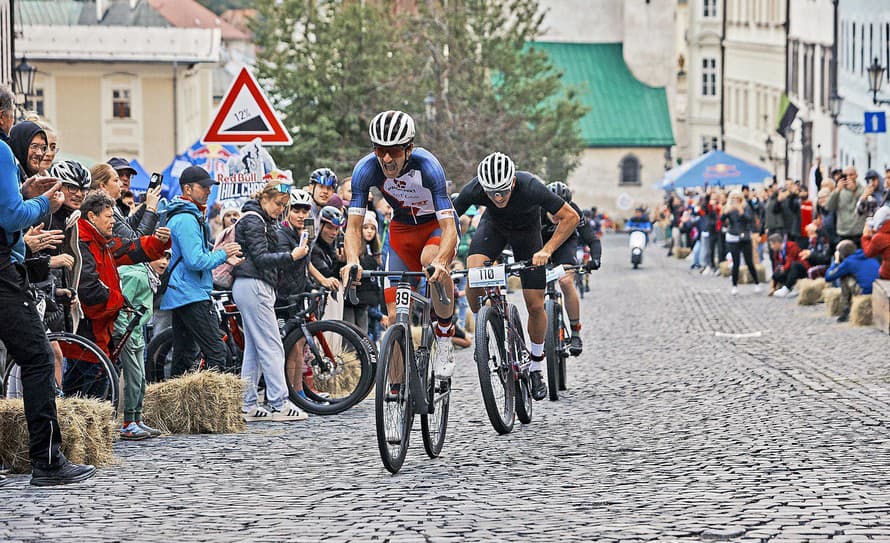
299, 197
496, 172
391, 128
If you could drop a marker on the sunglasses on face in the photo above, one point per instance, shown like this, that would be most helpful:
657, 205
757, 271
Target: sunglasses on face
499, 194
394, 151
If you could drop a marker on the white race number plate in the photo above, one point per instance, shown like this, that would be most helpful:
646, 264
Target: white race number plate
555, 273
489, 276
403, 300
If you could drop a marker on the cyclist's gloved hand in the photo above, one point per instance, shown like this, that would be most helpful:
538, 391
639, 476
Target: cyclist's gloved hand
592, 264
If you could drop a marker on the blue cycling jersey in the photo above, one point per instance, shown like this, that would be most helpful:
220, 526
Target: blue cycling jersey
417, 196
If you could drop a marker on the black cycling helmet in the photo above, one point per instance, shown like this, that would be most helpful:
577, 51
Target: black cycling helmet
332, 215
71, 172
561, 189
324, 177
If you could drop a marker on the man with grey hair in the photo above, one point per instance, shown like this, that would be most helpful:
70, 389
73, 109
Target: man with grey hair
7, 112
843, 201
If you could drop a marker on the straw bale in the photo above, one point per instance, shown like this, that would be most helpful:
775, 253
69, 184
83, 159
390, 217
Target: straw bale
204, 402
745, 275
682, 252
832, 298
860, 310
810, 291
726, 269
87, 426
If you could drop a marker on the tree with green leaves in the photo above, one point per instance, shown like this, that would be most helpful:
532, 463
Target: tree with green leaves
463, 68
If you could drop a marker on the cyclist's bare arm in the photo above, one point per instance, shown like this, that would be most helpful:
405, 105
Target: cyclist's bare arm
352, 243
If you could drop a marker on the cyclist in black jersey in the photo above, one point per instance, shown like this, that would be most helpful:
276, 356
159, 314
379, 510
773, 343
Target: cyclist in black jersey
513, 202
567, 254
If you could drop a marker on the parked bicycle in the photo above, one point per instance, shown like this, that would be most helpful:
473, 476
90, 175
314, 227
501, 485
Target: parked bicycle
402, 355
502, 358
558, 338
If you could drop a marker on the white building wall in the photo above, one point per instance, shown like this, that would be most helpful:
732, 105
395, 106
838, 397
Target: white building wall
595, 181
755, 79
703, 39
591, 21
854, 57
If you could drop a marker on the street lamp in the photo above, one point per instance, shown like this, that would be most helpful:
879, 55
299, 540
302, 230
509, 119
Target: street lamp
834, 108
875, 78
24, 79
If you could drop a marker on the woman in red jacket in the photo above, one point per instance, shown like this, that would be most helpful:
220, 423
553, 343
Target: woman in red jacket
876, 240
100, 287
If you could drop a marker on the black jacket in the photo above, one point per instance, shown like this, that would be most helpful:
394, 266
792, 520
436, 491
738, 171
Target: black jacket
324, 258
739, 224
259, 243
293, 276
369, 289
141, 223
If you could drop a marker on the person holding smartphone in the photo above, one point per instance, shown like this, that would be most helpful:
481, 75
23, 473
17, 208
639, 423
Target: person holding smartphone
843, 201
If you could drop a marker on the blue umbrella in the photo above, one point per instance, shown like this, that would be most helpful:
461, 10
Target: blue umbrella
716, 168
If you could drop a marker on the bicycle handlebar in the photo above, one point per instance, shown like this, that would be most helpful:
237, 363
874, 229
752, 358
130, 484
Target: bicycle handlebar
440, 290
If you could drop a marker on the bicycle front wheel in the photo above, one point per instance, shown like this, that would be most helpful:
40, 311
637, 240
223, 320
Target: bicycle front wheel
392, 403
495, 373
433, 425
339, 364
552, 346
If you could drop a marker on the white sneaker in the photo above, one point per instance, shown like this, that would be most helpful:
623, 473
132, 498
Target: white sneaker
734, 291
782, 292
256, 414
444, 363
757, 288
287, 412
706, 270
792, 294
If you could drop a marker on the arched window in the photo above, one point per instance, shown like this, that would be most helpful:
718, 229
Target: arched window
630, 171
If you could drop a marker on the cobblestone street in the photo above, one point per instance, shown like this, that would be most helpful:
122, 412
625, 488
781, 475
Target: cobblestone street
692, 415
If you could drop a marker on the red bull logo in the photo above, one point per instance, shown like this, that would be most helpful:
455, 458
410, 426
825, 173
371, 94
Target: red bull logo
209, 151
721, 171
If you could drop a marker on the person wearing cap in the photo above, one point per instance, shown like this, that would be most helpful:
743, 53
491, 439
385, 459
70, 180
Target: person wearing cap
854, 271
876, 239
843, 201
194, 320
872, 196
125, 173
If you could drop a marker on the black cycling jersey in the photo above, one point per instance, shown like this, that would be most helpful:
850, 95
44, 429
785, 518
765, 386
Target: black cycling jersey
523, 210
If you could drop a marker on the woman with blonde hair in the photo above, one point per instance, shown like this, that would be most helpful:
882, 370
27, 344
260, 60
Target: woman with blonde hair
738, 217
142, 222
254, 292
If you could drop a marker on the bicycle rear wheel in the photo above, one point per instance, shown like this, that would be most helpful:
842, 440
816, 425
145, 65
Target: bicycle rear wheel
433, 425
552, 346
340, 362
522, 385
495, 373
394, 415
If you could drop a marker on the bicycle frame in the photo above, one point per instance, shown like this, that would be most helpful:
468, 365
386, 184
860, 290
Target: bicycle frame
498, 301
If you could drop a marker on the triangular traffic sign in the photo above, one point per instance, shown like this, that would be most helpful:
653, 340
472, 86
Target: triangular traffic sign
246, 114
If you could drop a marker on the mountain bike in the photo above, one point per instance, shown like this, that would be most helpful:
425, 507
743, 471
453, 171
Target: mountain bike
396, 402
558, 338
502, 358
87, 371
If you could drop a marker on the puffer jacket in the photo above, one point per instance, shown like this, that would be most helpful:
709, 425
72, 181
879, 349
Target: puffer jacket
100, 284
293, 276
878, 245
258, 238
193, 258
141, 223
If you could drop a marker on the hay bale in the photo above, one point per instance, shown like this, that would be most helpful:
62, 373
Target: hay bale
204, 402
681, 252
832, 298
810, 291
745, 275
860, 310
87, 426
726, 269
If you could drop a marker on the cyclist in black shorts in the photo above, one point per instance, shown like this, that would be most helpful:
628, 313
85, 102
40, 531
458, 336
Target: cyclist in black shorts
567, 254
513, 202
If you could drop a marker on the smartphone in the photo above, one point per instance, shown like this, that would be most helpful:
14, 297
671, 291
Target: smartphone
309, 227
156, 180
304, 237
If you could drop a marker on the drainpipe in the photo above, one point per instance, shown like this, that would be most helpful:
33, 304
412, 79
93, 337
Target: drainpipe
833, 75
175, 110
787, 89
723, 77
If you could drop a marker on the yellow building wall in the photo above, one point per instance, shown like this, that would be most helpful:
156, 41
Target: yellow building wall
77, 114
158, 145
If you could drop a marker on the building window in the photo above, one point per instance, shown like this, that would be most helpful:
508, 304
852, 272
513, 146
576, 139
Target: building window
793, 73
709, 77
630, 170
825, 86
808, 75
120, 104
37, 104
709, 143
709, 8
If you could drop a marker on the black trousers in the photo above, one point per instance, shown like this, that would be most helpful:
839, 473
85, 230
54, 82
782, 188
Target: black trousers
742, 247
196, 329
790, 277
25, 339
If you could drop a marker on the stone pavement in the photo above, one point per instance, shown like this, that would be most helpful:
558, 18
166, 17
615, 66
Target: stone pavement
692, 415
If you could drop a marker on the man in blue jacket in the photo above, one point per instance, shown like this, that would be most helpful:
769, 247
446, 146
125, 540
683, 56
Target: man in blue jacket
195, 323
854, 271
26, 340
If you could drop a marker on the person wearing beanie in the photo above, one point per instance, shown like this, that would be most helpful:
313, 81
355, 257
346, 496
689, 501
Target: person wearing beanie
854, 271
876, 239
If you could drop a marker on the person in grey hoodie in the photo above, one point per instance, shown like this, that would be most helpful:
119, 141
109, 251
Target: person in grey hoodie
843, 201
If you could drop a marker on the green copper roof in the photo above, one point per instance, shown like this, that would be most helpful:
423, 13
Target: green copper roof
624, 112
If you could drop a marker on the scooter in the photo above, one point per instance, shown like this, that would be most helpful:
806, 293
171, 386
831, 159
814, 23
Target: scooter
639, 238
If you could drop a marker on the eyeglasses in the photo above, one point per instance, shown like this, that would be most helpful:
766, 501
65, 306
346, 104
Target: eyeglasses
394, 151
37, 147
